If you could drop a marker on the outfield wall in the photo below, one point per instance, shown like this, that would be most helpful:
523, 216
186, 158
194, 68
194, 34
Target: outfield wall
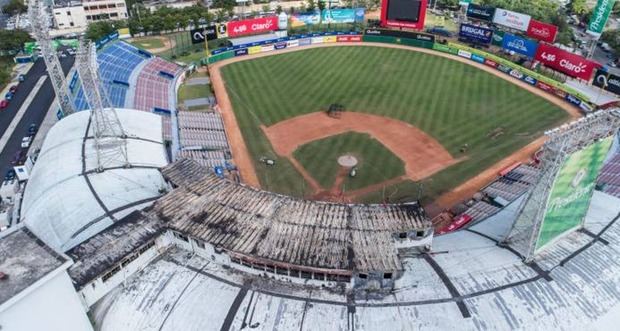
416, 40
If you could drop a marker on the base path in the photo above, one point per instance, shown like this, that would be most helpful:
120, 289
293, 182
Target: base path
240, 152
422, 154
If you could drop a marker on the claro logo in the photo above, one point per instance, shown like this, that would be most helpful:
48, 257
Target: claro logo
576, 68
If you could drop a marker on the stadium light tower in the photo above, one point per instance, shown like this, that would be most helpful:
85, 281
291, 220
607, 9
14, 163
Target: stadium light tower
110, 138
39, 21
562, 142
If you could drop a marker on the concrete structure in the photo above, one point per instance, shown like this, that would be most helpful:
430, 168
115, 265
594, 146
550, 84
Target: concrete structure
35, 289
153, 5
97, 10
69, 15
68, 199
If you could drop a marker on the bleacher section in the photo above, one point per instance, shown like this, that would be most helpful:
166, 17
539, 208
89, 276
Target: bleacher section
609, 179
203, 138
152, 88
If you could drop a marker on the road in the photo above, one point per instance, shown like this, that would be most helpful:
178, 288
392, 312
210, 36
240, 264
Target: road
34, 114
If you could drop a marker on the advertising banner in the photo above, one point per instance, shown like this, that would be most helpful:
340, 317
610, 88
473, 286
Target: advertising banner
480, 12
490, 63
201, 34
240, 52
511, 19
572, 191
571, 64
445, 48
343, 15
222, 30
504, 68
330, 39
317, 40
280, 46
542, 31
530, 80
305, 42
544, 87
599, 17
464, 54
400, 34
573, 100
292, 43
251, 26
475, 34
516, 74
519, 45
254, 50
344, 39
477, 58
607, 81
498, 38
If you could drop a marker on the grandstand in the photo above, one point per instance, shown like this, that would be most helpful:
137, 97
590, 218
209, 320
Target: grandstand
203, 138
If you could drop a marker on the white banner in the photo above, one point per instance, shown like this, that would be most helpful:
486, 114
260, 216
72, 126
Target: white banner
511, 19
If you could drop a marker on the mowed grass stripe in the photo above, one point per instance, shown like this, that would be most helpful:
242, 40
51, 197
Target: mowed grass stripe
455, 103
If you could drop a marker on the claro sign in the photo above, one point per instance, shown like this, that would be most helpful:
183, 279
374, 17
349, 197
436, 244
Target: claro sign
256, 25
571, 64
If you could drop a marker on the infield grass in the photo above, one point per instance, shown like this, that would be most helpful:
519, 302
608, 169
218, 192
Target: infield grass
454, 102
375, 162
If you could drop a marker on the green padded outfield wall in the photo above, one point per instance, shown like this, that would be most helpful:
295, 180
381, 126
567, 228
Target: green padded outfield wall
572, 191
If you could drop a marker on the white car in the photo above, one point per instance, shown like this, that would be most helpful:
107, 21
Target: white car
26, 142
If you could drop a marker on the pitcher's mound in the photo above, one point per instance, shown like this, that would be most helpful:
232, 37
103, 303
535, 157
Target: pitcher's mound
347, 161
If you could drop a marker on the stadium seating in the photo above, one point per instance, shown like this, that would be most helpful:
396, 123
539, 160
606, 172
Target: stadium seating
203, 139
609, 179
153, 89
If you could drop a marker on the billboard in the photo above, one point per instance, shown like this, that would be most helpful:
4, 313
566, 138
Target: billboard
519, 45
572, 190
511, 19
476, 34
498, 38
252, 26
607, 81
328, 16
571, 64
599, 17
542, 31
480, 12
408, 14
201, 34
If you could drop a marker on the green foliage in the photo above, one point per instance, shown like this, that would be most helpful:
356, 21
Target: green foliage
14, 7
453, 102
224, 4
100, 29
167, 19
310, 5
13, 40
578, 7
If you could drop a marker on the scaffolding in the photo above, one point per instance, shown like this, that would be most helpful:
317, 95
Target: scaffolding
40, 21
561, 142
109, 136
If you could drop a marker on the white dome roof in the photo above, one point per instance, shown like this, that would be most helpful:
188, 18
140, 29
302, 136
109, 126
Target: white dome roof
66, 201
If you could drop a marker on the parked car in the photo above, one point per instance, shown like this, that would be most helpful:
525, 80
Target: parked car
32, 129
4, 104
439, 30
9, 95
26, 141
9, 175
21, 77
13, 88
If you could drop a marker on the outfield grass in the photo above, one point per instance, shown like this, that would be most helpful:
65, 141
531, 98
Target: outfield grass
148, 43
375, 162
453, 102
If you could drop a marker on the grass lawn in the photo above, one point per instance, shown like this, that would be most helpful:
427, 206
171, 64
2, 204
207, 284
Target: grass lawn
375, 162
433, 20
453, 102
148, 43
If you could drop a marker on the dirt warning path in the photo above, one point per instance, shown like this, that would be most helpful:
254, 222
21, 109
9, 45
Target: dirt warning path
422, 154
246, 166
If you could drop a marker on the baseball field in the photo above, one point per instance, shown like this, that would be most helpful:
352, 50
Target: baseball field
416, 124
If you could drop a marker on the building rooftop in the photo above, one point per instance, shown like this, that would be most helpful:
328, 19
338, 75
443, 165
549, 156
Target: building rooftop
468, 283
264, 225
67, 200
24, 260
97, 254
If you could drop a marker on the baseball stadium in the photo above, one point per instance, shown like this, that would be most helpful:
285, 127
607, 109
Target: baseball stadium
368, 178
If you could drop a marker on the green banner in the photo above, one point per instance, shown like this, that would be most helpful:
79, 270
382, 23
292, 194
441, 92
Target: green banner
599, 16
498, 38
30, 46
445, 48
572, 191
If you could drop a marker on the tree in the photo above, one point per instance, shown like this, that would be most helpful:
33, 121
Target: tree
99, 29
311, 6
14, 7
578, 7
278, 9
13, 40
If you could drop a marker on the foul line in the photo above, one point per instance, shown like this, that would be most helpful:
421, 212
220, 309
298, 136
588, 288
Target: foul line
20, 113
